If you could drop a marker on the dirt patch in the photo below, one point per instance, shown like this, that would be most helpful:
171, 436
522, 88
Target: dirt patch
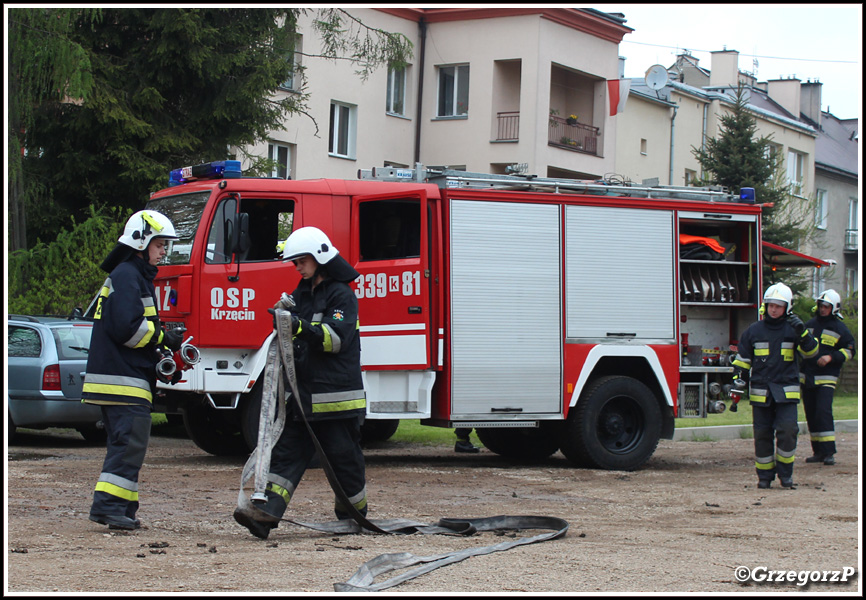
683, 523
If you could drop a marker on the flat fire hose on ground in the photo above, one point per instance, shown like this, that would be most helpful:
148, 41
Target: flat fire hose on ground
280, 361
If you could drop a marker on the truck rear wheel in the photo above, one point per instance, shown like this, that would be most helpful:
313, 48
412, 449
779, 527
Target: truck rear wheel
616, 425
521, 443
215, 431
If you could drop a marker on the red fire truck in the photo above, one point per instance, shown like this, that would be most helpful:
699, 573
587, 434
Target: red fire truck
548, 314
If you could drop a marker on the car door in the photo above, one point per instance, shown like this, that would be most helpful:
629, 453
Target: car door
25, 348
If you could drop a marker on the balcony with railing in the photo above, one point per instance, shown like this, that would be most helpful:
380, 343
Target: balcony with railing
573, 135
851, 241
507, 126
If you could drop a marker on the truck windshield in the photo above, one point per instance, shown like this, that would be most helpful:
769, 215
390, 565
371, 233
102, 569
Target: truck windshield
185, 212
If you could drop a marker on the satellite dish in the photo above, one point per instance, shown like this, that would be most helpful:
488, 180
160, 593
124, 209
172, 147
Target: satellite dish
656, 77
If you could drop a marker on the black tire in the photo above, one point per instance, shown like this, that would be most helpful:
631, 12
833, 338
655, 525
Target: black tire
378, 430
215, 431
10, 428
616, 425
251, 409
520, 443
93, 434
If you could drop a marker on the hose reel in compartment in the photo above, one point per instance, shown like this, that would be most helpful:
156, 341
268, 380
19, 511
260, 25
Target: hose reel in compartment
713, 281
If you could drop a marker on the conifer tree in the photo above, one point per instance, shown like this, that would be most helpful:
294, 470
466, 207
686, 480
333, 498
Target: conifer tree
739, 158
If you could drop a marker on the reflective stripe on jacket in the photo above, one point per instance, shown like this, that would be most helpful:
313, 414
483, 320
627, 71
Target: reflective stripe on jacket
328, 351
121, 363
768, 350
834, 340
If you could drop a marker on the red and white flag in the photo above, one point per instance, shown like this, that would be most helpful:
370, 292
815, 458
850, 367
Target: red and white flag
617, 91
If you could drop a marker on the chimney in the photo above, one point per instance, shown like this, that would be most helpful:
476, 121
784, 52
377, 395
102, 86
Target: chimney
724, 69
786, 93
810, 101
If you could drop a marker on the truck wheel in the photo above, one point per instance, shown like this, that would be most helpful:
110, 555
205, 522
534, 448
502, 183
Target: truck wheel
378, 430
521, 443
215, 431
616, 425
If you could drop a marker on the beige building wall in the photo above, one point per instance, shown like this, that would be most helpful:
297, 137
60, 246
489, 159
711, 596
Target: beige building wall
380, 137
643, 140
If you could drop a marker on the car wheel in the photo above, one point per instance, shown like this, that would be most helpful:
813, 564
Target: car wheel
93, 434
10, 427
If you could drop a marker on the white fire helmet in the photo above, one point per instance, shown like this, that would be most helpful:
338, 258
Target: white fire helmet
779, 293
144, 226
832, 298
309, 240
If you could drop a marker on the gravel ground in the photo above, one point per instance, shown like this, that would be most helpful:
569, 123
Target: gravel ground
681, 524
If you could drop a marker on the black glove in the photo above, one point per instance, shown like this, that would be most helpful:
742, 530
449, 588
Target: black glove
797, 323
173, 338
170, 379
295, 320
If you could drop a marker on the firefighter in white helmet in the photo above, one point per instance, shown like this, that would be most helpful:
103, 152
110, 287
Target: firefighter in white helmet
121, 365
328, 366
820, 374
767, 358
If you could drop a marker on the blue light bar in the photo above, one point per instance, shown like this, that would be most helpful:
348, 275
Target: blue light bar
218, 169
747, 194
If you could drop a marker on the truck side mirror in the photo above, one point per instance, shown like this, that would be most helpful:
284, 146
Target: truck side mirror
243, 241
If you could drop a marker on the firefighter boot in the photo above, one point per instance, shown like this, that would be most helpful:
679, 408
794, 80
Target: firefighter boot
274, 507
815, 458
829, 460
764, 484
115, 521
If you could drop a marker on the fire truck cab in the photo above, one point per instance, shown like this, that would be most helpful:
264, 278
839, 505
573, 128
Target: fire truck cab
548, 314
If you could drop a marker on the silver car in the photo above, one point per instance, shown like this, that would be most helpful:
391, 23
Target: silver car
47, 358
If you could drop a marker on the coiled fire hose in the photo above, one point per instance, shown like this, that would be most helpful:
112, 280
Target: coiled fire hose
280, 359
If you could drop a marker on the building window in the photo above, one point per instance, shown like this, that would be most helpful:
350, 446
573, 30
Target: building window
690, 177
341, 141
795, 171
821, 209
396, 97
852, 280
280, 154
293, 81
453, 91
819, 281
643, 146
851, 233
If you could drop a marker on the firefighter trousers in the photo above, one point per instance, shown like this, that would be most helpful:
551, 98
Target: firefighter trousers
818, 406
294, 451
775, 456
128, 429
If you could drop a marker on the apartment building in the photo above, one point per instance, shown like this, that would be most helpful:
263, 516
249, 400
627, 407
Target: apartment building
661, 127
487, 88
491, 89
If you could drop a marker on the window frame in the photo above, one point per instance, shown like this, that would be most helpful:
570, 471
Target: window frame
396, 88
822, 208
343, 120
287, 165
458, 97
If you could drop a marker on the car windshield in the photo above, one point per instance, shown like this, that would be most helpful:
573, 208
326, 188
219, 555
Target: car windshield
73, 342
184, 211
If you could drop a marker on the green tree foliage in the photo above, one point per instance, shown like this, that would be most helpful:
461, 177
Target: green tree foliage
59, 276
170, 87
739, 158
45, 67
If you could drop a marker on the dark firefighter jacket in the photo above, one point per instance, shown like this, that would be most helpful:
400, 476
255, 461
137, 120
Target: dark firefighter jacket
834, 339
769, 349
121, 364
328, 350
